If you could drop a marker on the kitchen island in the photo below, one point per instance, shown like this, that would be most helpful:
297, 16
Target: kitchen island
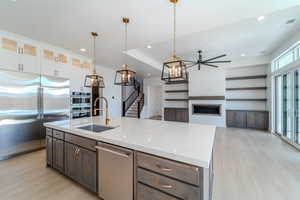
157, 159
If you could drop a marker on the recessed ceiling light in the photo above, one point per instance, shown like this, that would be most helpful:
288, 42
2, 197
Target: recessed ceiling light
149, 46
83, 50
149, 74
243, 55
290, 21
260, 18
13, 0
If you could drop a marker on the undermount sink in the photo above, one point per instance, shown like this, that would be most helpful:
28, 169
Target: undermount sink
95, 128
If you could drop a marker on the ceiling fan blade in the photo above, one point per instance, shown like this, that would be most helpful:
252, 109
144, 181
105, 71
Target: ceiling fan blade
210, 65
191, 65
189, 61
221, 56
223, 61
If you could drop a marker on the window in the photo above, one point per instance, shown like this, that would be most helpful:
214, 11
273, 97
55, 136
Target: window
288, 57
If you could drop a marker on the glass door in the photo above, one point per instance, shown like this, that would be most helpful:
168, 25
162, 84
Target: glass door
287, 107
297, 106
278, 105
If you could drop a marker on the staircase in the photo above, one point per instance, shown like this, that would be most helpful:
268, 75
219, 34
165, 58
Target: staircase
133, 110
133, 105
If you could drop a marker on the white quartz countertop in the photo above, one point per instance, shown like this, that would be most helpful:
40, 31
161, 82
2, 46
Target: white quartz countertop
184, 142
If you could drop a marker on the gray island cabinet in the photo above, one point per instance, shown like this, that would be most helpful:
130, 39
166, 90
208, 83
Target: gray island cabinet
153, 177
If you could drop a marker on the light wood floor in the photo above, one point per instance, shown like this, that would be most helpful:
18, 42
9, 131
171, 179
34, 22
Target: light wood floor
249, 165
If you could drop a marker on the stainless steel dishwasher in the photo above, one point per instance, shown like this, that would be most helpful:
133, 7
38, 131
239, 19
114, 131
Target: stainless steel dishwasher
115, 170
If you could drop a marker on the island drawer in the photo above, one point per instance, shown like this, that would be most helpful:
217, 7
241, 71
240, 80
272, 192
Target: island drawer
168, 185
80, 141
58, 134
147, 193
49, 132
180, 171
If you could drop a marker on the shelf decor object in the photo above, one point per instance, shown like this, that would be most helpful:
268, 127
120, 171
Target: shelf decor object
174, 68
125, 76
94, 80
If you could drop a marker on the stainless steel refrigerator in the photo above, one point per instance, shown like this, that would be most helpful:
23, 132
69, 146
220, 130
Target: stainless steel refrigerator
26, 102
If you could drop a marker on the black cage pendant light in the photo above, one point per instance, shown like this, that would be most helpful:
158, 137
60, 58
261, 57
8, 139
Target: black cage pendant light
93, 79
174, 68
125, 76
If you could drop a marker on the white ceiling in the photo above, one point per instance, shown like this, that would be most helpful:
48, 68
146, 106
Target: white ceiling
227, 26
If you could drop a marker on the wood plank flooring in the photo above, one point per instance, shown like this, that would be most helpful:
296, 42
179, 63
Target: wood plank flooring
254, 165
248, 165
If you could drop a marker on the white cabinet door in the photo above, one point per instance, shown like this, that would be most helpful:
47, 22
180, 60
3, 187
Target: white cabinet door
48, 61
9, 53
63, 66
30, 57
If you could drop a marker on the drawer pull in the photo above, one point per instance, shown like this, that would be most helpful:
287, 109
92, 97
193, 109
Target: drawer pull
167, 186
166, 169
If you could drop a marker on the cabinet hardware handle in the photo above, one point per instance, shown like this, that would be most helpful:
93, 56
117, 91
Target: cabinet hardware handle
166, 169
125, 155
166, 186
75, 153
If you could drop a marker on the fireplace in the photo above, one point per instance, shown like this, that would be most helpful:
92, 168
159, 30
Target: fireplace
205, 109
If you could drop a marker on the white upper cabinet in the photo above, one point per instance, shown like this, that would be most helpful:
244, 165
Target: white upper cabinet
55, 62
81, 67
30, 56
18, 54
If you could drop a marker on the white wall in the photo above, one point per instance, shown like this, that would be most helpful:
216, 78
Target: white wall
207, 82
111, 92
155, 100
148, 85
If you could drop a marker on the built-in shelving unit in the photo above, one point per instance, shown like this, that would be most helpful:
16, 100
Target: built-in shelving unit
80, 104
246, 97
176, 101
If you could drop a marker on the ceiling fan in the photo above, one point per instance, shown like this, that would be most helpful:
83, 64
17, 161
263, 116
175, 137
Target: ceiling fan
209, 62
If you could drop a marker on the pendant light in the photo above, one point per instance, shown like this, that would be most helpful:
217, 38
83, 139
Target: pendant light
93, 79
174, 68
125, 76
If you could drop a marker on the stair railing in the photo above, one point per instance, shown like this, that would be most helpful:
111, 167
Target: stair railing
140, 105
132, 97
